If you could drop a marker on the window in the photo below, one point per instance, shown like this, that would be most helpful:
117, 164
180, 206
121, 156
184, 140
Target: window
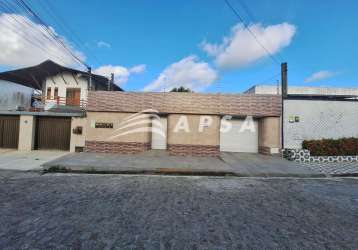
56, 93
49, 93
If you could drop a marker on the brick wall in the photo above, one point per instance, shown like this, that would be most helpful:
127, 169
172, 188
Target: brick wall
194, 150
267, 151
186, 103
116, 147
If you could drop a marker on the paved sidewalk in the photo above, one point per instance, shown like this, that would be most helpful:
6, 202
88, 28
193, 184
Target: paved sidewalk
335, 169
11, 159
258, 165
159, 162
148, 162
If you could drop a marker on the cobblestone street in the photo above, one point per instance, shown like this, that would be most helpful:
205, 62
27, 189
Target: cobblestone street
149, 212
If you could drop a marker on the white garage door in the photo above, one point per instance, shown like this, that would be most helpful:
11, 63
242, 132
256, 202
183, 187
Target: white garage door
159, 133
235, 140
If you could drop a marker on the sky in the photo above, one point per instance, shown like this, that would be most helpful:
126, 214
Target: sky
158, 45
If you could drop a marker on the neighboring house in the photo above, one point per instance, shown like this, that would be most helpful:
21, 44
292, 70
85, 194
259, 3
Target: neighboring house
60, 86
14, 96
58, 120
316, 113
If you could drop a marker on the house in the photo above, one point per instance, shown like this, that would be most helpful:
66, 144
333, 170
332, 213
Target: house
61, 86
311, 113
182, 123
58, 119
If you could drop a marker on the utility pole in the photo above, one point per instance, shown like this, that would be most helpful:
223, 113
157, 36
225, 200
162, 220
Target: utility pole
112, 81
90, 78
284, 84
284, 93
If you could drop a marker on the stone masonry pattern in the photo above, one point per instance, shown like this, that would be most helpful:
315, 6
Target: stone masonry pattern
186, 103
193, 150
304, 155
330, 165
116, 147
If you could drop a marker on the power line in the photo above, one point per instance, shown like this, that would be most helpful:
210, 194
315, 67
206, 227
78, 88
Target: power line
252, 33
12, 27
57, 18
14, 7
270, 78
253, 19
50, 32
247, 10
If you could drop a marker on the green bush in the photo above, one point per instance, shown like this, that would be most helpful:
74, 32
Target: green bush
332, 147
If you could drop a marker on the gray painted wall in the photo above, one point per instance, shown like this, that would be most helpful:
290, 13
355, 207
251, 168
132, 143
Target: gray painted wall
13, 95
319, 119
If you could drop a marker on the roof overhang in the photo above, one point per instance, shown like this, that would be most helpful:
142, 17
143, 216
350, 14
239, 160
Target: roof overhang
34, 76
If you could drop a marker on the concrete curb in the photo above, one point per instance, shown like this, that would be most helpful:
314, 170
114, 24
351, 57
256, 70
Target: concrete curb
172, 171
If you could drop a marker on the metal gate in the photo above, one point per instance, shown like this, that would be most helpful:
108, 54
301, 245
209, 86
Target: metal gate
53, 133
9, 131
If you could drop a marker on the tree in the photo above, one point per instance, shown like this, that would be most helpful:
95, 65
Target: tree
181, 89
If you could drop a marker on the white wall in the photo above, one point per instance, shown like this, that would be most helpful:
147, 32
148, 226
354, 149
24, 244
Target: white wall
68, 81
302, 90
318, 120
13, 95
27, 132
78, 140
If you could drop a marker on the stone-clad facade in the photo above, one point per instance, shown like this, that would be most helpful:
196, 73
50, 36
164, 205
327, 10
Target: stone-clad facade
186, 103
121, 108
116, 147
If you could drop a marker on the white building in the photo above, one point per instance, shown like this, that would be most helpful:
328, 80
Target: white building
300, 90
311, 113
58, 121
14, 96
60, 86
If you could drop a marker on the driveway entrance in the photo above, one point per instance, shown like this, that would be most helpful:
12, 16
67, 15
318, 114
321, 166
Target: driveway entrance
9, 131
24, 161
53, 133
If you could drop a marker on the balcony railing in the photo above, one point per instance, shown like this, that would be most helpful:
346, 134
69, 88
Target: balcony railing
63, 101
60, 104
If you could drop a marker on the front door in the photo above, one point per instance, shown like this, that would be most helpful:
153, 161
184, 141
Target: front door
159, 133
73, 96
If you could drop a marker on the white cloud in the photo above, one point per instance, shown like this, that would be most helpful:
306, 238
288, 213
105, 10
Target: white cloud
102, 44
188, 72
25, 43
121, 74
240, 48
138, 68
320, 75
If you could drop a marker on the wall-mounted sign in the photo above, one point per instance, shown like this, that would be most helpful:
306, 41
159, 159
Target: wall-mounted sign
103, 125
